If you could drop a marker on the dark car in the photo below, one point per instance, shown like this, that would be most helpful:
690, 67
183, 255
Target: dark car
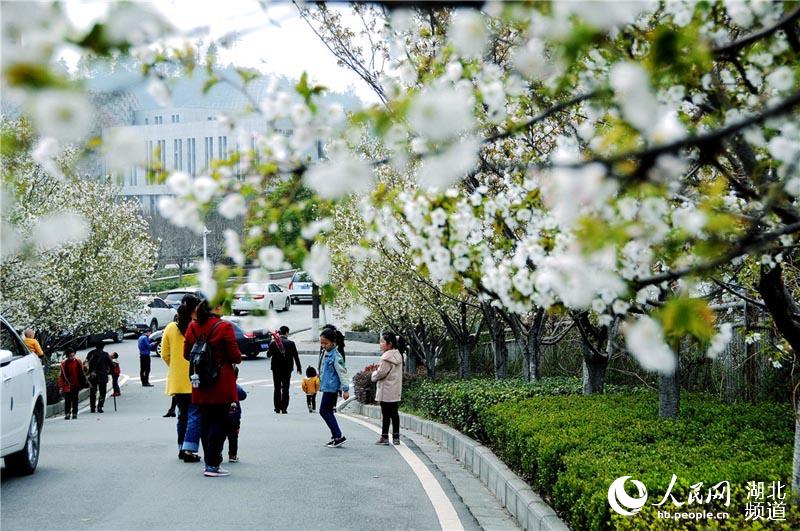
174, 297
251, 344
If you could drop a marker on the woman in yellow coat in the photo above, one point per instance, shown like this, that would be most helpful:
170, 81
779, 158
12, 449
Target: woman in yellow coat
178, 383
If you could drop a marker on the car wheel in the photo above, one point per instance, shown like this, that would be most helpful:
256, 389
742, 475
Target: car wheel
270, 305
286, 305
119, 336
237, 312
252, 355
153, 325
158, 349
24, 462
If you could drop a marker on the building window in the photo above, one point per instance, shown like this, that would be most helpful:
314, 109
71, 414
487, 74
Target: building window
158, 120
146, 121
222, 147
177, 150
162, 152
209, 145
191, 161
148, 146
210, 118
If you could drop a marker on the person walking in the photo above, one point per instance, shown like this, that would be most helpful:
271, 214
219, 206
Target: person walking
389, 378
115, 374
216, 397
282, 352
32, 344
71, 380
235, 421
99, 366
310, 387
145, 348
178, 384
339, 345
332, 381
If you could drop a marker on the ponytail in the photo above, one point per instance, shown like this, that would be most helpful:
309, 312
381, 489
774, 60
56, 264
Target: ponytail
396, 341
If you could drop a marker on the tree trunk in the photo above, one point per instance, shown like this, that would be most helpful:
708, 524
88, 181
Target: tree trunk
594, 372
669, 395
796, 457
498, 334
464, 352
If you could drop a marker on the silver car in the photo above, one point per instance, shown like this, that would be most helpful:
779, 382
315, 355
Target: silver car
300, 287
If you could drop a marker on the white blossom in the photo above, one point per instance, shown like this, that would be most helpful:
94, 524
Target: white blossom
439, 113
468, 32
781, 79
342, 175
63, 115
443, 170
204, 188
270, 258
233, 246
318, 264
720, 341
160, 92
233, 206
644, 339
123, 149
60, 228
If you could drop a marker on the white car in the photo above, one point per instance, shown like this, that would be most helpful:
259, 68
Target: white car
260, 297
300, 287
24, 396
154, 314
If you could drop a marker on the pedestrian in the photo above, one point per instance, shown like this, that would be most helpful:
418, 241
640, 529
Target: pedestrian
310, 387
216, 396
178, 384
32, 344
235, 421
115, 374
282, 352
71, 380
173, 403
98, 366
145, 348
332, 381
389, 377
339, 345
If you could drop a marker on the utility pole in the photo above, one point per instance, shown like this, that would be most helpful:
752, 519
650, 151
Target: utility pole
314, 311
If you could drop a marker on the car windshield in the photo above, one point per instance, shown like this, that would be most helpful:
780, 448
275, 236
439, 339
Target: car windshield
302, 276
250, 288
175, 296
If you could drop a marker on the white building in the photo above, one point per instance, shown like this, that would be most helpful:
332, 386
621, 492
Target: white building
187, 135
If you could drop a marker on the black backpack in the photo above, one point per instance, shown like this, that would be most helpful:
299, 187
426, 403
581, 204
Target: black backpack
201, 361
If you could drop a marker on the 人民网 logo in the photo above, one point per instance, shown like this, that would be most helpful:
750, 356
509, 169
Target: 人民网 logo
621, 502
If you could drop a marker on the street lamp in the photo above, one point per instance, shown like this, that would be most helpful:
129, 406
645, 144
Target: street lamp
206, 232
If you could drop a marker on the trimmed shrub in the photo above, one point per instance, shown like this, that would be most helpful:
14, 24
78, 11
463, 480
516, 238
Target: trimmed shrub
364, 388
570, 448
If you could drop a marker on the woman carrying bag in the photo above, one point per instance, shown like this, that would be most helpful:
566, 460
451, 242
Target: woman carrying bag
389, 377
71, 380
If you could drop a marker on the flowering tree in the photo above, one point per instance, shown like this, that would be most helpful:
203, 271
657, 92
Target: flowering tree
634, 164
75, 255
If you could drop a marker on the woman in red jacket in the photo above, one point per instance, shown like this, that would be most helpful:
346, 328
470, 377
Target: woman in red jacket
215, 398
71, 380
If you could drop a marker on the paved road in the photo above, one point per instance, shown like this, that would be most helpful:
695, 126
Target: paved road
119, 470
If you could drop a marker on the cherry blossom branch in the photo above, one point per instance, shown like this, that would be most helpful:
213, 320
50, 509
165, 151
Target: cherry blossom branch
733, 47
744, 247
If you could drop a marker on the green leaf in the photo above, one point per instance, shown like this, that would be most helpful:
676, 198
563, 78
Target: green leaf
686, 316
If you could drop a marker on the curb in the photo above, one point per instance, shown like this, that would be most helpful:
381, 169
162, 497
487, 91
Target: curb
58, 408
530, 511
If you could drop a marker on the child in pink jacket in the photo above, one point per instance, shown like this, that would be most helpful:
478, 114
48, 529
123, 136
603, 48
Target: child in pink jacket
389, 377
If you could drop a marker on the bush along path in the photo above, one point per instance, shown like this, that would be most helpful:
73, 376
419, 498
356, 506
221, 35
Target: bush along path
571, 448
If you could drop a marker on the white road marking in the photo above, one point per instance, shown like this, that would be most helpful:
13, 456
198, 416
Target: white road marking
445, 512
250, 382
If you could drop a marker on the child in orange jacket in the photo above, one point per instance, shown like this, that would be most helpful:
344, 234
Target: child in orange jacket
310, 387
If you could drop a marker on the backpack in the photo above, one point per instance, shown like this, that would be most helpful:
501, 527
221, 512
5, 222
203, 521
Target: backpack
201, 361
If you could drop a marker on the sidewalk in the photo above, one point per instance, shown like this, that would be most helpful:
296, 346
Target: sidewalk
310, 345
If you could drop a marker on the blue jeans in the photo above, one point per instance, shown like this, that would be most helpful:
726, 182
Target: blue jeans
326, 406
189, 421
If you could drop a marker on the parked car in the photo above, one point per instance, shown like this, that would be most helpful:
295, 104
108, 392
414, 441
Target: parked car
260, 297
24, 396
300, 287
154, 314
174, 296
251, 343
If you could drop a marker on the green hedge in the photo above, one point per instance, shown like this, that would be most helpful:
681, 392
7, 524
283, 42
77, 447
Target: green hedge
571, 447
460, 402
